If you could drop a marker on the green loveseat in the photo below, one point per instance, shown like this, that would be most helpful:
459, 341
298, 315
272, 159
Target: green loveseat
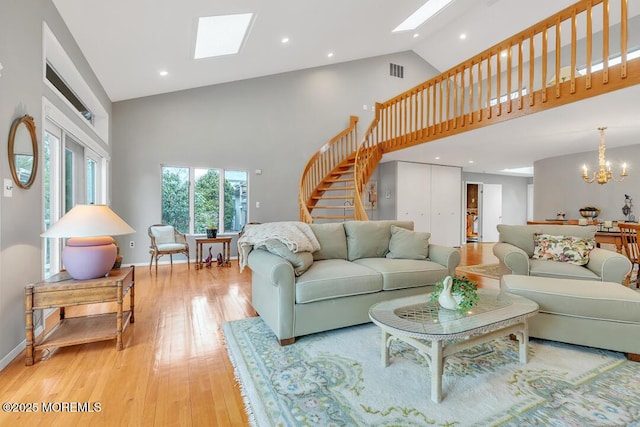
515, 251
359, 263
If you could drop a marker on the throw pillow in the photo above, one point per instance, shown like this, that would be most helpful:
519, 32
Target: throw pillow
405, 244
574, 250
301, 261
333, 241
370, 239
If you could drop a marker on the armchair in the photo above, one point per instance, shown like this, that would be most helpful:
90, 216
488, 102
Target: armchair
166, 240
515, 251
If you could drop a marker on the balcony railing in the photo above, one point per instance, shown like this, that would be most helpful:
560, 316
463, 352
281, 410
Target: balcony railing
532, 71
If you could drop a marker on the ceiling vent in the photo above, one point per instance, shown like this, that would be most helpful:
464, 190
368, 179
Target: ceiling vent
396, 70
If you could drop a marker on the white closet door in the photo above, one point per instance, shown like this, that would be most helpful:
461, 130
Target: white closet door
413, 188
446, 205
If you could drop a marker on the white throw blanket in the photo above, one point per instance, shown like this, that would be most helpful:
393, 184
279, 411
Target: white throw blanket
297, 236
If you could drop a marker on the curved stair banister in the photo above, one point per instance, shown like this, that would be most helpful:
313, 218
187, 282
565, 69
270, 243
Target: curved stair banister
500, 84
367, 158
324, 171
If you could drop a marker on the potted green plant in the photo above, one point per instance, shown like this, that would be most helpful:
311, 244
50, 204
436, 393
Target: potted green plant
212, 232
212, 228
461, 289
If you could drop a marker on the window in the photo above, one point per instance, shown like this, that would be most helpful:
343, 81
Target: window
72, 174
217, 197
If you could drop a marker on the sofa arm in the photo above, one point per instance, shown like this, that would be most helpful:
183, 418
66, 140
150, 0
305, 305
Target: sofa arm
608, 265
273, 291
512, 257
445, 255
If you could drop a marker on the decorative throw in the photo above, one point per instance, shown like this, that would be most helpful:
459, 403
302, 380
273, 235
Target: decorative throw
574, 250
295, 235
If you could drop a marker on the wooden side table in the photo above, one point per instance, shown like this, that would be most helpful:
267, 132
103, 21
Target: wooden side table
226, 250
60, 291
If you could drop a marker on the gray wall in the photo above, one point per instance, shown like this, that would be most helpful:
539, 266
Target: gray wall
21, 92
272, 123
514, 194
558, 184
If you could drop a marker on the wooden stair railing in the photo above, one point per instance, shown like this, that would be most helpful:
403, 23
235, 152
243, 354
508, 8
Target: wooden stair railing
509, 80
326, 172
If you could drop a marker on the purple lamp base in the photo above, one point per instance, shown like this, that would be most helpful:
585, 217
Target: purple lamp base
89, 257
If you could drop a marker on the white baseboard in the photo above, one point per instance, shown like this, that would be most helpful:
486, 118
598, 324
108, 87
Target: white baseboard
4, 362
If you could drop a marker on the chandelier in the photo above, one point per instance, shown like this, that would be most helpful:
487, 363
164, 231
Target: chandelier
603, 174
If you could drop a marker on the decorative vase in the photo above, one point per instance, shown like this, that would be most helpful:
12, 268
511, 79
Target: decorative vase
446, 299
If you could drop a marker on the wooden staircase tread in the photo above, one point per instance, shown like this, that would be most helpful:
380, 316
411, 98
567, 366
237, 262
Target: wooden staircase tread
332, 198
332, 216
350, 188
330, 207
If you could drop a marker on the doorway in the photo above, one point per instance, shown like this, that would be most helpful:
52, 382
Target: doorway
472, 211
483, 208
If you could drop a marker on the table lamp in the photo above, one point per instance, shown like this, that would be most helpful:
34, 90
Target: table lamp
90, 251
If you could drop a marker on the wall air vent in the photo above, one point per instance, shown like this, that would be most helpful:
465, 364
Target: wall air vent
54, 78
396, 70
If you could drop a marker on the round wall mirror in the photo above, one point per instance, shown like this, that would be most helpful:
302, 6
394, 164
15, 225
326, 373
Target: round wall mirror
23, 151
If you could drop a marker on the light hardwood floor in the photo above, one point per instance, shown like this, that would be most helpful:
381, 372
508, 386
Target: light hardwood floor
174, 369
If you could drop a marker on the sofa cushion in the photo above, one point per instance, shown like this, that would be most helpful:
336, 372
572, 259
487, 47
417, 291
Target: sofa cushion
405, 273
406, 244
334, 278
370, 239
333, 241
562, 248
522, 235
578, 298
546, 268
301, 261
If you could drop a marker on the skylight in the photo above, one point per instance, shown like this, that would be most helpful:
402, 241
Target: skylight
221, 35
422, 15
524, 171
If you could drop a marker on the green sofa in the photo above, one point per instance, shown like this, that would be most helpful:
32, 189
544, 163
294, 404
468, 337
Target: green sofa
359, 263
515, 252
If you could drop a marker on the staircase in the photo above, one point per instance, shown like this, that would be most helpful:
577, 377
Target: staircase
509, 80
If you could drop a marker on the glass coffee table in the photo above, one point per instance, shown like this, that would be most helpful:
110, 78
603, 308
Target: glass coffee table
437, 332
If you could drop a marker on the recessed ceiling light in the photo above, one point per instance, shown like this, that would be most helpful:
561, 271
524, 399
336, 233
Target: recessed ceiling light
437, 157
421, 15
416, 35
470, 161
463, 36
221, 35
164, 73
285, 40
330, 55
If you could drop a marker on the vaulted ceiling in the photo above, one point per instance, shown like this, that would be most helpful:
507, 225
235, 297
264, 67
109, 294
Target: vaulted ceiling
128, 43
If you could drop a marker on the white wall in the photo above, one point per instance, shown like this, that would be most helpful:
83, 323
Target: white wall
272, 123
21, 92
559, 186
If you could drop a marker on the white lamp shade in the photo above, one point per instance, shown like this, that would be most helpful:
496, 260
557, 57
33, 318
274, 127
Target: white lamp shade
90, 252
89, 221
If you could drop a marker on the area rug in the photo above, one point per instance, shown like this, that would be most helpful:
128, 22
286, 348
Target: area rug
337, 379
487, 270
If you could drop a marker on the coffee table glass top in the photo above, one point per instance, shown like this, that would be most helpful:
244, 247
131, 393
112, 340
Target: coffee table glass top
415, 315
